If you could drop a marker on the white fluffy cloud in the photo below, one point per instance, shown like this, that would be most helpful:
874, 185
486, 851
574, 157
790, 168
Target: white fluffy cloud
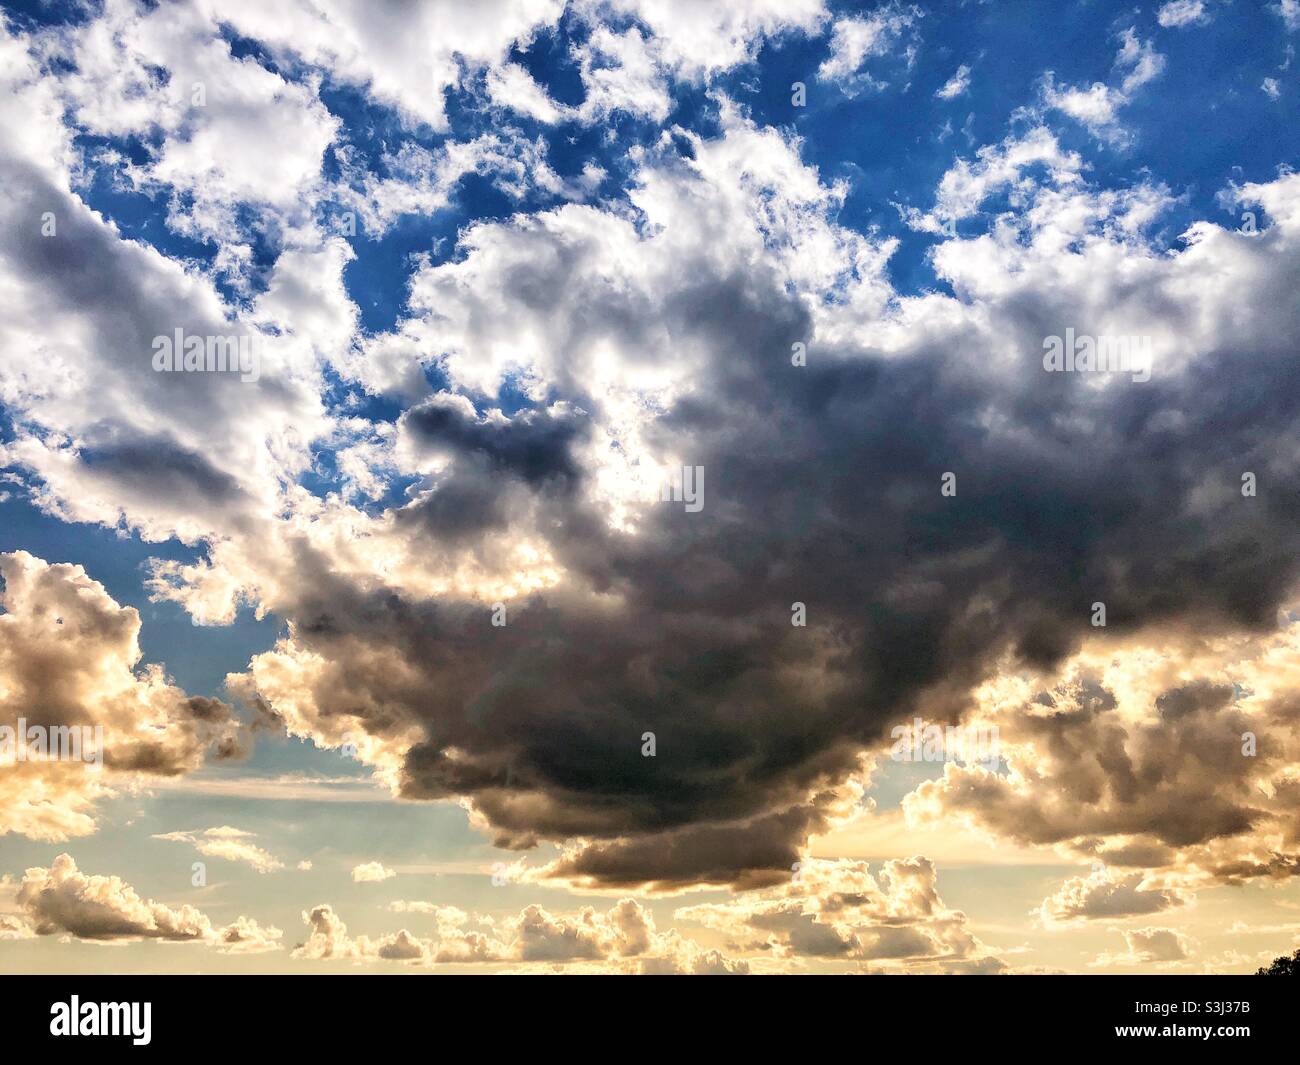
228, 131
404, 55
1183, 13
100, 434
1097, 106
857, 39
697, 40
371, 873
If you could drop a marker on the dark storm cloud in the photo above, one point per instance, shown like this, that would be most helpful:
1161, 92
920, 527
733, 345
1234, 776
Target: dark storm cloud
822, 486
533, 446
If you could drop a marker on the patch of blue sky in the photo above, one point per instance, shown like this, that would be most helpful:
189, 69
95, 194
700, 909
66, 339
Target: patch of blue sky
145, 214
893, 144
548, 58
37, 14
378, 279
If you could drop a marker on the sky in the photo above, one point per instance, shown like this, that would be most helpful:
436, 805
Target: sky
655, 486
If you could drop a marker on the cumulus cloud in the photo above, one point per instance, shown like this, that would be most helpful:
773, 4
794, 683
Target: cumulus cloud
1103, 895
837, 910
621, 72
70, 658
98, 435
584, 352
622, 939
650, 619
406, 56
64, 900
511, 86
637, 49
1171, 757
228, 130
1016, 168
371, 873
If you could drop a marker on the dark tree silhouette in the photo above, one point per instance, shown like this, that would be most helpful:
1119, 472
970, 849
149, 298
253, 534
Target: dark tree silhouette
1283, 966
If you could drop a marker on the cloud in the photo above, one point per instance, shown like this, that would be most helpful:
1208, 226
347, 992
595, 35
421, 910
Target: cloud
620, 72
1181, 13
1102, 895
854, 40
445, 914
1097, 107
233, 844
839, 911
697, 41
1149, 945
246, 936
70, 659
646, 622
622, 939
418, 180
14, 927
282, 787
226, 130
547, 380
956, 85
98, 435
1289, 10
1173, 758
371, 873
64, 900
511, 86
1009, 167
403, 56
1139, 61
